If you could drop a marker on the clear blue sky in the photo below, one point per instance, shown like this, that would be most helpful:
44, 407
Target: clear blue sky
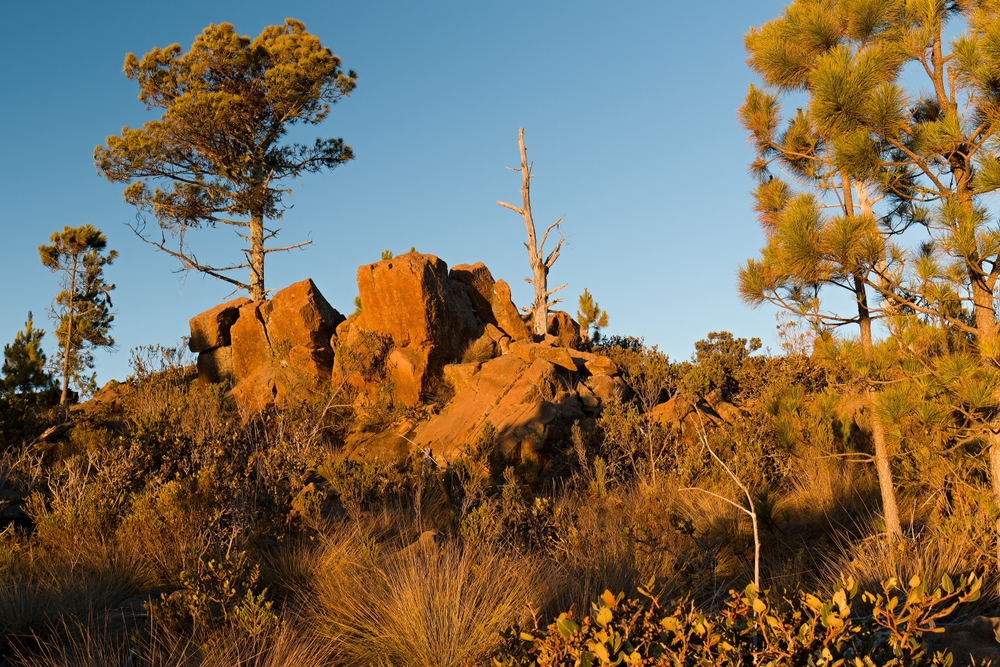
630, 117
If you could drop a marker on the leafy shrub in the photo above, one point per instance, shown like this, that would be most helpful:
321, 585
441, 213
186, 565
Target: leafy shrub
750, 630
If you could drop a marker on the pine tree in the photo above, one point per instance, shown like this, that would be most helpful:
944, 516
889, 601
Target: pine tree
82, 309
540, 262
24, 362
590, 315
818, 221
927, 142
215, 156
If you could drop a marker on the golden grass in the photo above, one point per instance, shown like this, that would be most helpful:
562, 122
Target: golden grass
443, 607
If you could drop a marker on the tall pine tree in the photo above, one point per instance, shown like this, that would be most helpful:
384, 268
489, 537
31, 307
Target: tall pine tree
82, 310
935, 132
816, 208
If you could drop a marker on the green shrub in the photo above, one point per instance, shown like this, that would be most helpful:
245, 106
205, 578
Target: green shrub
751, 629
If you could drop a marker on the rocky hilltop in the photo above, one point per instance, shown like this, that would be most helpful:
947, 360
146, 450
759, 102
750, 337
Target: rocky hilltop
447, 345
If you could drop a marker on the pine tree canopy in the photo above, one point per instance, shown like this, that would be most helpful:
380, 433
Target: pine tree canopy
880, 154
215, 156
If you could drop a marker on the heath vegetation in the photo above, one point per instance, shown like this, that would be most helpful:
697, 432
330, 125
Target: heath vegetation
836, 502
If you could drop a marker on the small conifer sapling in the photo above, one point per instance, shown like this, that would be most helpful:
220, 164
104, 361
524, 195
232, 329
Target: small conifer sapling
24, 362
590, 316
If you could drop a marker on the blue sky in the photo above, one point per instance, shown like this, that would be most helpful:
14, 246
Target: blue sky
630, 117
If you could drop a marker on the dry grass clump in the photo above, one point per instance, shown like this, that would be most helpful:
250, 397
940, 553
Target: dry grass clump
97, 644
423, 606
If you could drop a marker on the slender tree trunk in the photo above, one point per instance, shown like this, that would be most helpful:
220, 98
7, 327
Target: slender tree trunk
890, 510
257, 291
986, 333
995, 475
540, 311
69, 332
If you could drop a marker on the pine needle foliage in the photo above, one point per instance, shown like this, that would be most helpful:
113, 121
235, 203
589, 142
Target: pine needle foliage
215, 156
590, 316
24, 363
82, 310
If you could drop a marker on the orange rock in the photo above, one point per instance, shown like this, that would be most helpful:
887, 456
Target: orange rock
408, 373
528, 352
606, 387
595, 364
507, 317
480, 282
210, 329
300, 315
461, 376
517, 398
410, 298
215, 366
564, 328
429, 318
282, 345
251, 346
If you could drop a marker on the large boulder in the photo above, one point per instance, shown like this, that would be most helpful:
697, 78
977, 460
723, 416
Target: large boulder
479, 283
275, 352
210, 330
527, 403
429, 318
564, 328
508, 319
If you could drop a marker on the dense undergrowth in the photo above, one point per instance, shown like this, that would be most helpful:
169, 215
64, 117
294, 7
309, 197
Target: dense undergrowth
254, 543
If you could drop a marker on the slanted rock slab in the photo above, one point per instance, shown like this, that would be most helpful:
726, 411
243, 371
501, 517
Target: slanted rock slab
210, 329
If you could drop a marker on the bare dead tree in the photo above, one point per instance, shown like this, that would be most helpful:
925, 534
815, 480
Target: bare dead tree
536, 251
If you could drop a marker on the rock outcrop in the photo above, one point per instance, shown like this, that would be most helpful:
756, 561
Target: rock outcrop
688, 415
431, 318
447, 345
530, 401
210, 330
274, 352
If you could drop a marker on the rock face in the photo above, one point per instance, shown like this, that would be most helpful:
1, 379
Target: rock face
688, 415
531, 402
527, 403
564, 328
274, 352
429, 316
210, 330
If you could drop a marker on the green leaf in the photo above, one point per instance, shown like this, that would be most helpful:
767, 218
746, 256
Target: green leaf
567, 626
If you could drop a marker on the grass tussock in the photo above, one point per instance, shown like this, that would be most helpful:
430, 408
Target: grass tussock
424, 605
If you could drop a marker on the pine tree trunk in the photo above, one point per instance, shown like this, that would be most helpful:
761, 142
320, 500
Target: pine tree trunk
889, 508
995, 475
257, 291
69, 333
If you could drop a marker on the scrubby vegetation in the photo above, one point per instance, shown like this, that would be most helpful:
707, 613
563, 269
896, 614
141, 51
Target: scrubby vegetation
837, 503
255, 543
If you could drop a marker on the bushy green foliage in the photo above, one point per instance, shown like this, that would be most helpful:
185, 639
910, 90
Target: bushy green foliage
751, 629
24, 364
